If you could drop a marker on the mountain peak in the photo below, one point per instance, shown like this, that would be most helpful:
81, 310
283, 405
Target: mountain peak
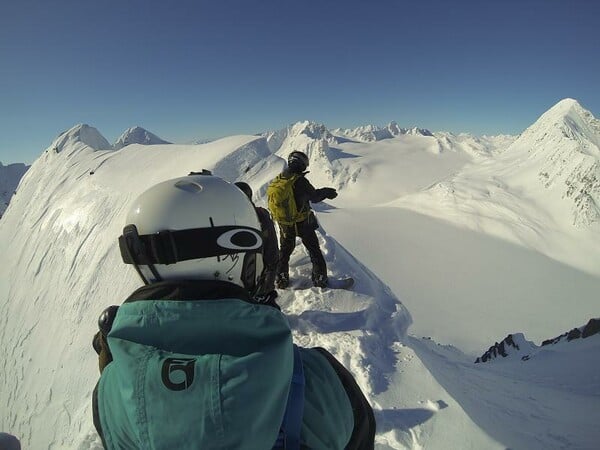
563, 148
311, 129
566, 108
138, 135
565, 120
565, 104
83, 134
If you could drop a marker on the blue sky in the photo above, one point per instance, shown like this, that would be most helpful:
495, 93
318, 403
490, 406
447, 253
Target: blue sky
189, 70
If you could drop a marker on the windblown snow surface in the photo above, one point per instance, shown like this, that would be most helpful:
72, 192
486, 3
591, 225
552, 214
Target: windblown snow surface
454, 241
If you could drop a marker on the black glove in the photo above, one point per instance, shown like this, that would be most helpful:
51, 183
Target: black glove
101, 346
99, 342
106, 319
330, 193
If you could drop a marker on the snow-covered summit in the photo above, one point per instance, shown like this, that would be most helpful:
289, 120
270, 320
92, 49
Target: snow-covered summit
82, 134
305, 131
138, 135
313, 130
562, 149
567, 120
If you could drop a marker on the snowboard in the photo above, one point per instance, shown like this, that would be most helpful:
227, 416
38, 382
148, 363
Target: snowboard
332, 283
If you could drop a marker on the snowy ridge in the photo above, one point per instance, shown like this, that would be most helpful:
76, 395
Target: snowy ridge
137, 135
515, 345
78, 138
10, 176
589, 329
62, 239
371, 133
243, 160
60, 235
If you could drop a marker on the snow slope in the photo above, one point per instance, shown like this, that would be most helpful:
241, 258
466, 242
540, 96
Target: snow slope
61, 267
10, 176
416, 276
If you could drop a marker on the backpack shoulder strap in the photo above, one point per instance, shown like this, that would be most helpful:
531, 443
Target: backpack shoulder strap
289, 435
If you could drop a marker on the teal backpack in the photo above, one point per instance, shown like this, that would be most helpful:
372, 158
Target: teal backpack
228, 358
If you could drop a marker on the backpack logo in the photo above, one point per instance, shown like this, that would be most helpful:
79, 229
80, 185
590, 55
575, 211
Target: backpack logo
178, 373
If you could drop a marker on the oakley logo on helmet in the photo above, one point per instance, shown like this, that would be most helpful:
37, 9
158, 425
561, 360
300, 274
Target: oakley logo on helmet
240, 239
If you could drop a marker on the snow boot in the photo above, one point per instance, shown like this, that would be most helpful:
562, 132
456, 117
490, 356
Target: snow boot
282, 281
320, 281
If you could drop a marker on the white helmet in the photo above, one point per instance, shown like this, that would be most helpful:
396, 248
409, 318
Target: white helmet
194, 227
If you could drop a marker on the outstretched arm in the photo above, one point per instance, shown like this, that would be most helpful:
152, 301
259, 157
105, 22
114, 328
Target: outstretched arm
314, 195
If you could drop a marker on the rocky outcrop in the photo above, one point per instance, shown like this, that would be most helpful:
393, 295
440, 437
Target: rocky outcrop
515, 345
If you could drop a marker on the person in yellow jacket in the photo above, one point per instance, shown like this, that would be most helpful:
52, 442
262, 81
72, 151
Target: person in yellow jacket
289, 197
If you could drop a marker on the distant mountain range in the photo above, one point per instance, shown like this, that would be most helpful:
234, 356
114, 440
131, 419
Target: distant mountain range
561, 150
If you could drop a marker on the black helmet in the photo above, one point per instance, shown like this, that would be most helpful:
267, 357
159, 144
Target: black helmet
298, 161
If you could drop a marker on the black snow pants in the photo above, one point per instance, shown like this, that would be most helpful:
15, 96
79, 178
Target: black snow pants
305, 230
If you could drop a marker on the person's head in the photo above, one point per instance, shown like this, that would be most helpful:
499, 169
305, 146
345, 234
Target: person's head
245, 188
193, 228
297, 162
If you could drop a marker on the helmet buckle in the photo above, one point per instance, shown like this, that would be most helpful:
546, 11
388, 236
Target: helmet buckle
163, 247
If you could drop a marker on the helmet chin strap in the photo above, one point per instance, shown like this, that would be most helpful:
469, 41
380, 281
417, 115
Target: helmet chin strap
135, 251
148, 278
249, 269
